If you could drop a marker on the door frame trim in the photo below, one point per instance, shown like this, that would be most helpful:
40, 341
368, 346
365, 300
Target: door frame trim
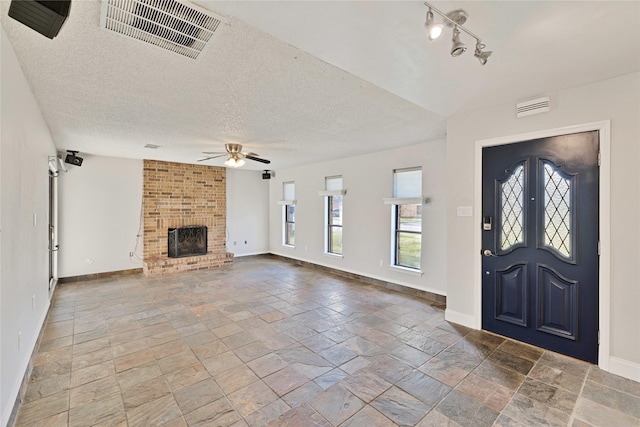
604, 276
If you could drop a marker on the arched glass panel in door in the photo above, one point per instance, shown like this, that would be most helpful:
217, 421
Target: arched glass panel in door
511, 209
558, 211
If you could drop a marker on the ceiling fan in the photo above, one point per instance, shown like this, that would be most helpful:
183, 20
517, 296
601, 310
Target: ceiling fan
236, 156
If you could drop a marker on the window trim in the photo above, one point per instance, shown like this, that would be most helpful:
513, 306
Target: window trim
325, 193
288, 200
404, 200
328, 226
395, 219
395, 203
286, 222
328, 196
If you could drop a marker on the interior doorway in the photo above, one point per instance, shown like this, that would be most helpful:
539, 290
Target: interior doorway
53, 224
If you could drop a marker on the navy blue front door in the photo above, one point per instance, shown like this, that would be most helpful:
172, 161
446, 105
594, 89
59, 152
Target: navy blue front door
540, 243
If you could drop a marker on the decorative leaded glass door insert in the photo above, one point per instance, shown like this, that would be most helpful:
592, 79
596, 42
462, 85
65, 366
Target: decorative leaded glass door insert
511, 209
540, 243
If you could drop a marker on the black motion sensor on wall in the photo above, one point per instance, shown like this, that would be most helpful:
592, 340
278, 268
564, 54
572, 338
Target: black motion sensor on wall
266, 174
72, 159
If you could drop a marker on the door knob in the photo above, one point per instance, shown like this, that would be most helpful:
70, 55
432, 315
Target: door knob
487, 252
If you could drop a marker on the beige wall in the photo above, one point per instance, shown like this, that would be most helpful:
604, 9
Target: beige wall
100, 216
25, 146
617, 100
367, 220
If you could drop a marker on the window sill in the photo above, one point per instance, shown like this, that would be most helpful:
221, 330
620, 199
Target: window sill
332, 255
288, 246
406, 270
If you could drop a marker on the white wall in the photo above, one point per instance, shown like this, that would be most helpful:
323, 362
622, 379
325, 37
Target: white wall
247, 212
99, 215
24, 273
617, 100
367, 221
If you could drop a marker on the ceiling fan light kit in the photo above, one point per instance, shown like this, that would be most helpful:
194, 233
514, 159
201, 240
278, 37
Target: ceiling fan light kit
454, 19
234, 162
236, 156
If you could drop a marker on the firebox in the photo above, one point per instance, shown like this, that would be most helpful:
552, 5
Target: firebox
187, 241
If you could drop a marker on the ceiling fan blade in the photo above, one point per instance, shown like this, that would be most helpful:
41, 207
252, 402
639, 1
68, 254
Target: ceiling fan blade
211, 157
258, 159
215, 152
250, 154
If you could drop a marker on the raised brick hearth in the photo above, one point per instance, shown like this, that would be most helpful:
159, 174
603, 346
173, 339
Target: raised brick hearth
179, 195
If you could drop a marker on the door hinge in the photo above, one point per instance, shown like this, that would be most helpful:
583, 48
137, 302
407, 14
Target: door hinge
599, 247
599, 158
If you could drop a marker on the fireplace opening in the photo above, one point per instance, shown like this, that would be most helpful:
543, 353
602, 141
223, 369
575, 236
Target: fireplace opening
187, 241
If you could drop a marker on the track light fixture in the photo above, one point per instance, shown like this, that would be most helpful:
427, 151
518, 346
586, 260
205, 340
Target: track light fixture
433, 29
455, 19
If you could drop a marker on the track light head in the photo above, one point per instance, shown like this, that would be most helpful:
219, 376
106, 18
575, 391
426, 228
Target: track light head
482, 56
458, 48
433, 29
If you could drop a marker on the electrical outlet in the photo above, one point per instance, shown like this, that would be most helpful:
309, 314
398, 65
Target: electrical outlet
130, 254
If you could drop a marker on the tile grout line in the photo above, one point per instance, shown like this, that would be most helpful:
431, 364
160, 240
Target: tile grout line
579, 394
303, 294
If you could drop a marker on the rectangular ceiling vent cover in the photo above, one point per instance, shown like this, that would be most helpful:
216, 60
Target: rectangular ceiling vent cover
174, 25
534, 106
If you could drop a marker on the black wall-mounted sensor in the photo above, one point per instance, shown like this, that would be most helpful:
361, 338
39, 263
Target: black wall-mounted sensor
73, 159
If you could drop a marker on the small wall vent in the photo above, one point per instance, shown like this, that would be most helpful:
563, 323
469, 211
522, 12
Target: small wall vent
534, 106
174, 25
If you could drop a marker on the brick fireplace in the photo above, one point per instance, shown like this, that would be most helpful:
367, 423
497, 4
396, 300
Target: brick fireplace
182, 195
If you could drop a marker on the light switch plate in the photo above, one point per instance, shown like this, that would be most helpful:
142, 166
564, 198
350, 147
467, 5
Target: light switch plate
465, 211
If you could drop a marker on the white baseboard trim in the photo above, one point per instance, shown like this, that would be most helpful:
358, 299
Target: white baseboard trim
24, 366
624, 368
460, 318
359, 273
249, 254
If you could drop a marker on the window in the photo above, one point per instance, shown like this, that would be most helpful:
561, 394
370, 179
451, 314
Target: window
333, 215
288, 190
407, 217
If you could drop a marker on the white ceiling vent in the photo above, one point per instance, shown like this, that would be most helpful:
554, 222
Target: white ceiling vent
174, 25
534, 106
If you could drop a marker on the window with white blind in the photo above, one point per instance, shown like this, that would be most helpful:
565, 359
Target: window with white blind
407, 217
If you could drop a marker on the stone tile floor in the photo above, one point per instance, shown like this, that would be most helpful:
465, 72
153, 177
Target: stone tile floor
265, 342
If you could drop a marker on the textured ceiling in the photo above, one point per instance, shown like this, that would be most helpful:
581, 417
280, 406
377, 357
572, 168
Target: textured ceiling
302, 82
539, 46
